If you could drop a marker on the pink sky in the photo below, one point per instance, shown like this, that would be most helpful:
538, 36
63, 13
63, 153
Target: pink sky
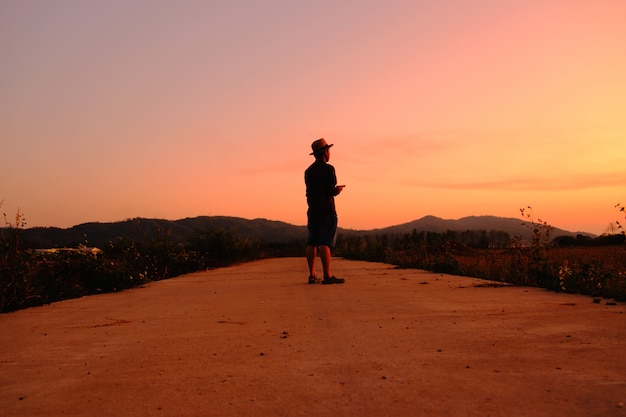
151, 108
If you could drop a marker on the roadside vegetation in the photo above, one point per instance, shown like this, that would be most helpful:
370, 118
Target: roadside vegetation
595, 267
30, 278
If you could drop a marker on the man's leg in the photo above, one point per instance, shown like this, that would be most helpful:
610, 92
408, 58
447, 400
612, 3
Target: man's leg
325, 255
328, 277
311, 253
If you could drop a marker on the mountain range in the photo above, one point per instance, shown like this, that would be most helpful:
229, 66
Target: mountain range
269, 231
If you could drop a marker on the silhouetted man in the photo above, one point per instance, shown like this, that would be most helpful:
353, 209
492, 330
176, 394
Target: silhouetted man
321, 189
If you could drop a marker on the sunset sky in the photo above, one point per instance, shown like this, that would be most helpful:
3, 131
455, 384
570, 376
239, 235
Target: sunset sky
117, 109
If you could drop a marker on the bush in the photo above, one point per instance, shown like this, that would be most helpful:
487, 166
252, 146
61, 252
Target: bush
29, 278
597, 269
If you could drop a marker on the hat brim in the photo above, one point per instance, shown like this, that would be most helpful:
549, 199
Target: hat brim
322, 149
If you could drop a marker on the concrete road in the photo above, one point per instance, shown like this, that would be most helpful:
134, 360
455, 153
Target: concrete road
257, 340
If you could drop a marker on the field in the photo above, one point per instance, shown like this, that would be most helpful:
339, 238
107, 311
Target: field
595, 271
598, 271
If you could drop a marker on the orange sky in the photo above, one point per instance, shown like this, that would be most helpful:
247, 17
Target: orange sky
112, 109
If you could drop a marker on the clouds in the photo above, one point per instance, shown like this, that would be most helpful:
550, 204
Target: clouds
531, 183
540, 160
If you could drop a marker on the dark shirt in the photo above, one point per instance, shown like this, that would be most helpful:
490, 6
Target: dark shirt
321, 181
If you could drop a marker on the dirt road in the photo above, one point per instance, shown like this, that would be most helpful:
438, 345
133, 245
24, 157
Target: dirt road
256, 340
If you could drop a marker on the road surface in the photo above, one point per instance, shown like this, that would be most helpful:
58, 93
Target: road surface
257, 340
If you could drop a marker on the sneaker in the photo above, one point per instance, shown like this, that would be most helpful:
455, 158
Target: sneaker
333, 280
313, 280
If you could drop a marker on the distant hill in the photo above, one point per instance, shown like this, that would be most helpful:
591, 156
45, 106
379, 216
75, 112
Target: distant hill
99, 234
514, 227
270, 231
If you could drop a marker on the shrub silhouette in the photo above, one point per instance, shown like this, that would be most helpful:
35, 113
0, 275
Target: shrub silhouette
29, 278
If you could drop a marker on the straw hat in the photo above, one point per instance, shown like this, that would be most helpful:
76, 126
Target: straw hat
319, 145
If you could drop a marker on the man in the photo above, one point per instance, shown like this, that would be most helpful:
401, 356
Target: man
321, 189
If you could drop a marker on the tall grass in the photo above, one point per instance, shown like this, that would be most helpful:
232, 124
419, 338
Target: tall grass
29, 278
16, 286
591, 270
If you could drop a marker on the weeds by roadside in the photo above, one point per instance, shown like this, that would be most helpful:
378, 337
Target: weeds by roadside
620, 227
16, 286
30, 278
591, 270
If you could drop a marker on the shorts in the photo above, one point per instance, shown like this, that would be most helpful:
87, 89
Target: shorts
322, 232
